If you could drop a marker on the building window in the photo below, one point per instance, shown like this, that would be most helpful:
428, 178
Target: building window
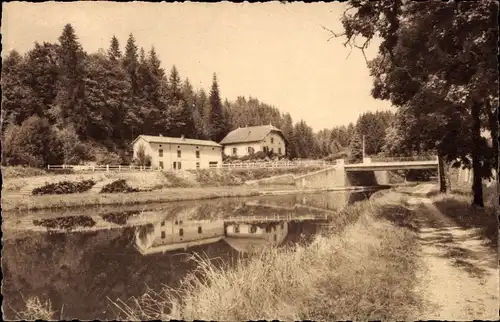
236, 228
198, 154
253, 229
199, 230
179, 165
161, 165
275, 238
181, 232
234, 151
197, 165
272, 150
175, 165
163, 223
178, 153
282, 225
268, 229
272, 140
250, 150
265, 149
162, 235
279, 150
160, 153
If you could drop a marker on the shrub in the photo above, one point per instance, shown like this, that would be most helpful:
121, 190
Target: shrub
176, 181
118, 186
141, 157
64, 187
119, 218
34, 144
66, 222
73, 149
107, 157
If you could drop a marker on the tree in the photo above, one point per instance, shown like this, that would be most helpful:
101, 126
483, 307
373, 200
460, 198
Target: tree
142, 158
356, 149
130, 62
114, 52
33, 144
440, 52
217, 121
71, 89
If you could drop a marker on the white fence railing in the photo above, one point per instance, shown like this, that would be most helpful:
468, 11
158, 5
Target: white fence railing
278, 164
405, 159
239, 165
99, 167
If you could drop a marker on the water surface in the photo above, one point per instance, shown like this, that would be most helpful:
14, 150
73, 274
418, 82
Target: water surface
118, 252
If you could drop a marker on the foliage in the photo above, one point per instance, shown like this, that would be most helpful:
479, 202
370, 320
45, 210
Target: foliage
119, 218
64, 187
117, 186
34, 144
356, 149
69, 222
436, 62
142, 158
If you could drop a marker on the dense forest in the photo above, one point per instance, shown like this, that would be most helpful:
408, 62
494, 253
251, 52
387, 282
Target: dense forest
61, 104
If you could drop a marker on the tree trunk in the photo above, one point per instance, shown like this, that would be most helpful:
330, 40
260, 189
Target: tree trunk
477, 184
444, 182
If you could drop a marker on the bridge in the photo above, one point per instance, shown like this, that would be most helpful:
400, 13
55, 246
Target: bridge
391, 164
370, 172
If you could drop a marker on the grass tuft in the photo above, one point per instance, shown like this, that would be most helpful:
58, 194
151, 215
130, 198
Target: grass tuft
36, 310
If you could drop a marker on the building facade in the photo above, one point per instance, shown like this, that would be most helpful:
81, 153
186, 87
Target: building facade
249, 140
168, 153
175, 234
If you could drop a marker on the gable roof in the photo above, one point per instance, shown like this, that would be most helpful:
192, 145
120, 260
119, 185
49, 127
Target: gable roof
250, 134
172, 140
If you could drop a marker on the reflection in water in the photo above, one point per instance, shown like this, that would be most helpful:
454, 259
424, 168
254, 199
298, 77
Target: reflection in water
80, 270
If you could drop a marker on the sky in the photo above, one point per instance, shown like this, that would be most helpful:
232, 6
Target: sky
277, 53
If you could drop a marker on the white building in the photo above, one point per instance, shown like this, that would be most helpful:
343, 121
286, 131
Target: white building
246, 237
248, 140
179, 153
175, 234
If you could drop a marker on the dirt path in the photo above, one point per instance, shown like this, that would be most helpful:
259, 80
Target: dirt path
458, 276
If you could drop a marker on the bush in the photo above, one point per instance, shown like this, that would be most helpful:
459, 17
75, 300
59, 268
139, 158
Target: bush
74, 151
33, 144
66, 222
103, 157
142, 158
119, 218
118, 186
64, 187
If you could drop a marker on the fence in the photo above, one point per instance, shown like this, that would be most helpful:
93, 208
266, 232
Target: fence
278, 164
403, 159
94, 168
240, 165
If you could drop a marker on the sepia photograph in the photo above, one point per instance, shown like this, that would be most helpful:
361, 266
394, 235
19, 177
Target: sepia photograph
228, 161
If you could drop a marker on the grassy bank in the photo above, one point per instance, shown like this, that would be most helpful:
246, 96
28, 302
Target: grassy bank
459, 209
19, 203
367, 271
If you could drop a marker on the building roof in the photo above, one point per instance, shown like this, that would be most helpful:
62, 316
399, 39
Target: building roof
172, 140
250, 134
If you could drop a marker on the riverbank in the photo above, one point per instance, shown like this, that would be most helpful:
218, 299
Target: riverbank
385, 258
348, 272
15, 203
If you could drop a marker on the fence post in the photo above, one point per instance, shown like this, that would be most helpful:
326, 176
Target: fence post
107, 167
119, 168
48, 166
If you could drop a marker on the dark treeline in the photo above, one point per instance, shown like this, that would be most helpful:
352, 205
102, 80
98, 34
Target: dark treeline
61, 104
